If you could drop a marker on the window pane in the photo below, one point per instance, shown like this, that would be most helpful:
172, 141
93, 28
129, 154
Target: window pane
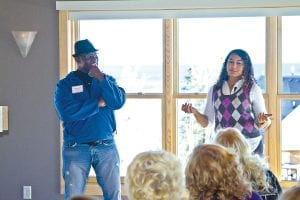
290, 54
139, 129
139, 126
290, 145
130, 50
204, 44
189, 132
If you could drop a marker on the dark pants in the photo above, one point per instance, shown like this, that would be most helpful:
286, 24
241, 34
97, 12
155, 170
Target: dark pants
260, 149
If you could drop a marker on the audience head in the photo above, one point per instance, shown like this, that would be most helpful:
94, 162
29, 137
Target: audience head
82, 197
154, 175
292, 193
214, 172
233, 138
254, 167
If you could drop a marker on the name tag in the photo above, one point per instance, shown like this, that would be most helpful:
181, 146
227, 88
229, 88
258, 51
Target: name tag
77, 89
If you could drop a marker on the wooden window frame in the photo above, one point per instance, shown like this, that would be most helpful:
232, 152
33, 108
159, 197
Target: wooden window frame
68, 34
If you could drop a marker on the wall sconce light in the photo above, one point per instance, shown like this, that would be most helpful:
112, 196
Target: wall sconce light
24, 40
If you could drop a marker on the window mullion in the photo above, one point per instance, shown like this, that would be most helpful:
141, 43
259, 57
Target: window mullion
169, 136
272, 145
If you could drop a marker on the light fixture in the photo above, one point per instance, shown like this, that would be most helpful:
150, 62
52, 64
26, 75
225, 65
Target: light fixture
24, 40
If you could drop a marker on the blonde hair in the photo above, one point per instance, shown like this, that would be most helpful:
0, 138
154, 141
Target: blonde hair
154, 175
292, 193
214, 172
254, 167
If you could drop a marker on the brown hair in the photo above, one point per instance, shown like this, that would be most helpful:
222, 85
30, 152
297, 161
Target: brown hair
214, 172
82, 197
292, 193
254, 167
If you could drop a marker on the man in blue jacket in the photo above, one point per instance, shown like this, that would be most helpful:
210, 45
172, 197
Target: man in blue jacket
85, 101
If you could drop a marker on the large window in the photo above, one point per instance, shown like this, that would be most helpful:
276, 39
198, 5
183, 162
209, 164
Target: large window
163, 63
290, 99
132, 51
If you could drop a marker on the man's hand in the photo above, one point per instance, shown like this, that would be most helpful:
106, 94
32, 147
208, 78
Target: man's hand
96, 73
101, 103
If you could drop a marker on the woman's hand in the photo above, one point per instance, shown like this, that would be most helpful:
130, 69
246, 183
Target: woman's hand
263, 117
201, 118
188, 108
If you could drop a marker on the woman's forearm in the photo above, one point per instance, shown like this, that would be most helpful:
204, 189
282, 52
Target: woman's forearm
201, 118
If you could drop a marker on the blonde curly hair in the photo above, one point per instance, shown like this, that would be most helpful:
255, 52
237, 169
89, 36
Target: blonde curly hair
254, 167
154, 175
214, 172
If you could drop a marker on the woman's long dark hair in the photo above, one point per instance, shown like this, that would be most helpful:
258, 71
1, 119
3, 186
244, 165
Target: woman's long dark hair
248, 72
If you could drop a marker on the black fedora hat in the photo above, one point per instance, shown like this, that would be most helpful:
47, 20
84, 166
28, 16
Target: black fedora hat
83, 47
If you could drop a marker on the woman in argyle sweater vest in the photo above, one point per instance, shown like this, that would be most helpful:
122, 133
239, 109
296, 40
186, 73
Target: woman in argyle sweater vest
235, 101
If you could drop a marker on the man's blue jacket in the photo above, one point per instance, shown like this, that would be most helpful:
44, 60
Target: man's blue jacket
78, 108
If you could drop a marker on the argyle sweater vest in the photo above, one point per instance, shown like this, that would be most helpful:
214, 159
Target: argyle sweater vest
235, 110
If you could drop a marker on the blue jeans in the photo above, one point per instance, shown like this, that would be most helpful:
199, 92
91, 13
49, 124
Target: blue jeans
103, 157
